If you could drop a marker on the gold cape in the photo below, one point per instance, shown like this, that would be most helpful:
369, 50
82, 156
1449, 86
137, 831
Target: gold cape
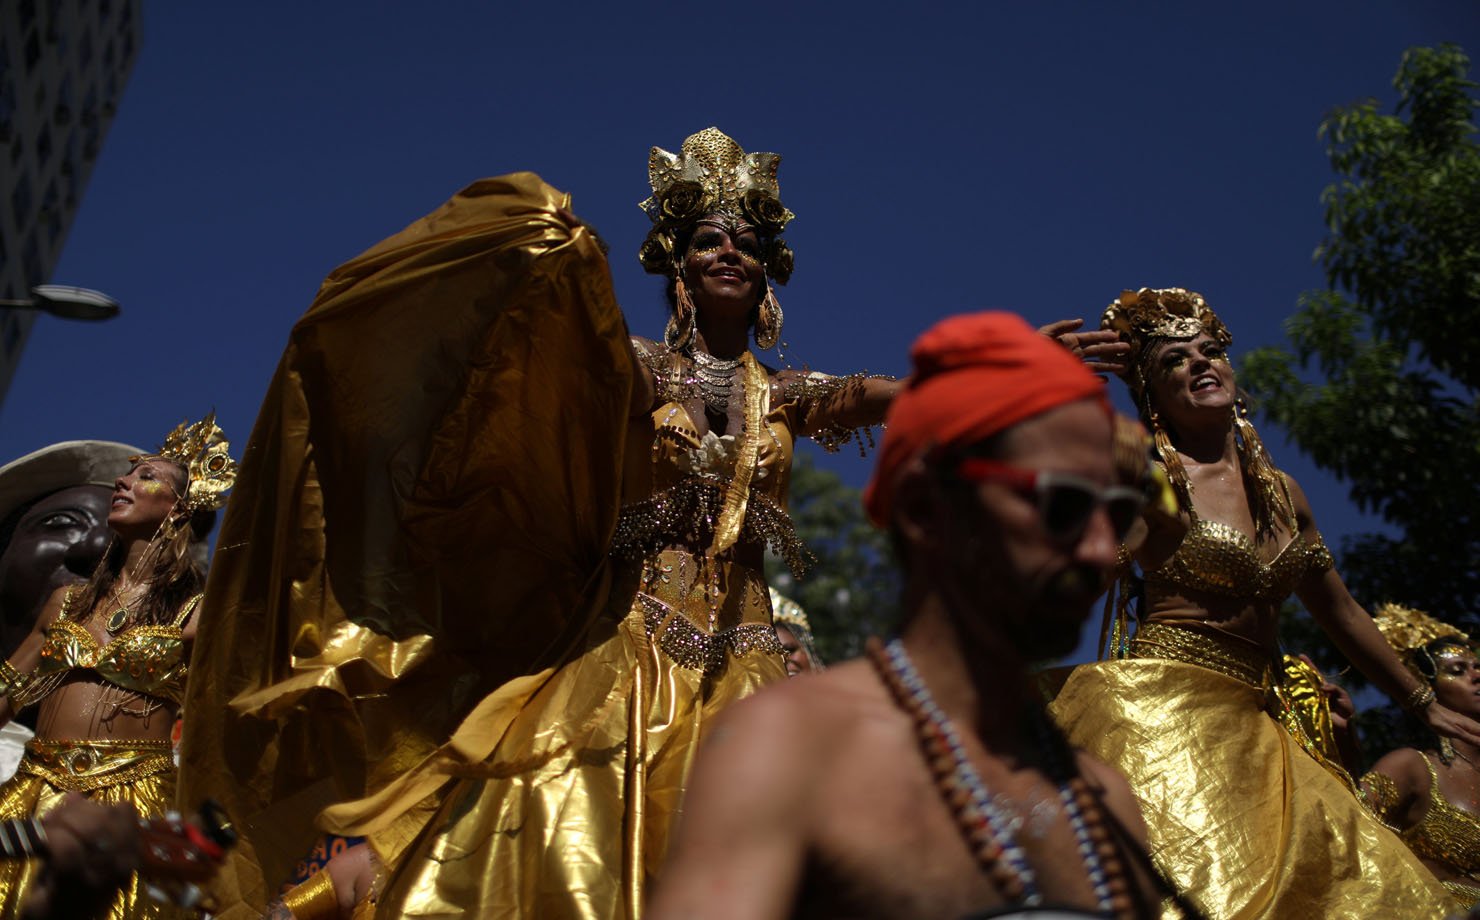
1242, 820
387, 559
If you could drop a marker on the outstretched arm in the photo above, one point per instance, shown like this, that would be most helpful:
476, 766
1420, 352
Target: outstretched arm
739, 848
1325, 595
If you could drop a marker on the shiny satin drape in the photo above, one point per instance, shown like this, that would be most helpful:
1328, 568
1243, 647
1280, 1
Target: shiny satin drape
1242, 820
421, 518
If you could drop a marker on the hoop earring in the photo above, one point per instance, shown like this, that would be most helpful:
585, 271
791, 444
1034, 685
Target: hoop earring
680, 329
768, 321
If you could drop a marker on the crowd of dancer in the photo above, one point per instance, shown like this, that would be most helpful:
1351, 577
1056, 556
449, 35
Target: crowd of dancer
487, 631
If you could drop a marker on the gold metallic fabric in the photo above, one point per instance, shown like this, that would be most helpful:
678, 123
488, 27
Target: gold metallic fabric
421, 518
1241, 819
140, 773
314, 899
1217, 559
1305, 712
145, 659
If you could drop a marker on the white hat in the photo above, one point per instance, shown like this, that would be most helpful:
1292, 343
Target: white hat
61, 466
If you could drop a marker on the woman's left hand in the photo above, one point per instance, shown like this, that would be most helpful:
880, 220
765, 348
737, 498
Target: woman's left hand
1450, 724
1100, 349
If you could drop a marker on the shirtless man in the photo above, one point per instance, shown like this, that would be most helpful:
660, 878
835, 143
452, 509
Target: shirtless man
815, 797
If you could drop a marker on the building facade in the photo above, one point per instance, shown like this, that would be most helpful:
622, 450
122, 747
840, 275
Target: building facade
63, 64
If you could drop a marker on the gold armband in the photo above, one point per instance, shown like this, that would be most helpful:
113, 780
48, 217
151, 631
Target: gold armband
13, 683
1420, 699
1379, 794
314, 899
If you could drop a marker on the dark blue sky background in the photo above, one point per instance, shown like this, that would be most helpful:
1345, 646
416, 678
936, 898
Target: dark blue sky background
1037, 157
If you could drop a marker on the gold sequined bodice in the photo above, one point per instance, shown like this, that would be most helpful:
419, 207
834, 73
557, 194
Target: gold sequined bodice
674, 481
1446, 834
145, 659
1215, 558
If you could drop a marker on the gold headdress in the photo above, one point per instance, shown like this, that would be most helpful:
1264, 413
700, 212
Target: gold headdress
203, 450
1146, 316
1151, 315
787, 612
1410, 632
711, 174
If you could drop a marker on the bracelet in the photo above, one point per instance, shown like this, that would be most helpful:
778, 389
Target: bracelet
22, 838
1420, 699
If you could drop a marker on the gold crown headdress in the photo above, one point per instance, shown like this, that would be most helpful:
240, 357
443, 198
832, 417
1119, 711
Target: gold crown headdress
787, 612
1150, 314
1410, 632
711, 174
205, 453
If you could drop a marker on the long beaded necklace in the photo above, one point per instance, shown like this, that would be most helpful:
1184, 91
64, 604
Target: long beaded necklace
716, 377
987, 829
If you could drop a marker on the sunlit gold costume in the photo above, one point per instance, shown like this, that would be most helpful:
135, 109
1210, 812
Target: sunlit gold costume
142, 659
464, 596
1245, 818
1447, 835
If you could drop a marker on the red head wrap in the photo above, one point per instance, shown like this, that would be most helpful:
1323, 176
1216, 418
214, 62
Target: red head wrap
974, 376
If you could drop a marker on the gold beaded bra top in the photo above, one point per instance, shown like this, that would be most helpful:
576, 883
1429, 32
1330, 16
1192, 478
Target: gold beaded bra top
1215, 558
1446, 834
144, 659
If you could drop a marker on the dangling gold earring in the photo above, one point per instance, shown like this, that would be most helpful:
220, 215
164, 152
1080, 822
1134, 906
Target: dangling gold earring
768, 321
680, 328
1446, 750
1176, 472
1274, 502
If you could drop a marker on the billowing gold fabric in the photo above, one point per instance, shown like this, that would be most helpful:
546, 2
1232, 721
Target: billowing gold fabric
1241, 820
421, 517
1305, 712
462, 604
138, 772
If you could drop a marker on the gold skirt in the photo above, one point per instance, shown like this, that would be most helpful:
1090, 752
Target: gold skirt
141, 773
568, 815
1242, 820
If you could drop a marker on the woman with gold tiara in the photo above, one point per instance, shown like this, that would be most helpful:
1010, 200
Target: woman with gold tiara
794, 632
507, 523
1430, 796
1241, 819
107, 661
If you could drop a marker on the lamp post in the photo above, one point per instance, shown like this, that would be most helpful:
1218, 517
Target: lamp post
67, 302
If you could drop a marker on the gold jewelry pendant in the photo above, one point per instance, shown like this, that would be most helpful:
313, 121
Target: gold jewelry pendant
117, 620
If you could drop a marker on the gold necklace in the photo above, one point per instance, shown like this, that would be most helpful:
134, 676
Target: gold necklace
120, 618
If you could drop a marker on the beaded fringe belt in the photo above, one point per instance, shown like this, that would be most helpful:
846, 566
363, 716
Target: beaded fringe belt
1233, 659
691, 647
83, 766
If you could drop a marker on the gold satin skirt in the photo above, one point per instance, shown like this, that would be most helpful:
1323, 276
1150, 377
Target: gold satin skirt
569, 816
141, 773
1242, 820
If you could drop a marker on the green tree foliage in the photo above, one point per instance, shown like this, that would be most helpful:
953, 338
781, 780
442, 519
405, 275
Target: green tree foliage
1396, 339
1381, 382
853, 590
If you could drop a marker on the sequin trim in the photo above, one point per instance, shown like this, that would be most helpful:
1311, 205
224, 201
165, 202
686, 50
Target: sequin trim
1173, 643
691, 647
685, 514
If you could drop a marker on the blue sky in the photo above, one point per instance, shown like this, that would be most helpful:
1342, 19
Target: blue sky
940, 158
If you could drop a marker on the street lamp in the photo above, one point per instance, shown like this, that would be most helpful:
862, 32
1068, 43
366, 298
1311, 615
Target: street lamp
67, 302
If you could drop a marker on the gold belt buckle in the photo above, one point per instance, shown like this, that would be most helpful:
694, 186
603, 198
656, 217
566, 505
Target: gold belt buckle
78, 762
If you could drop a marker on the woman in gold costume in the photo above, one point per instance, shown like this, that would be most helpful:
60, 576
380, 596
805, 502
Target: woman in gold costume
509, 524
1242, 819
106, 662
1432, 797
794, 632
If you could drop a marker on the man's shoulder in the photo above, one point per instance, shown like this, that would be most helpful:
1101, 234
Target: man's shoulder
804, 718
